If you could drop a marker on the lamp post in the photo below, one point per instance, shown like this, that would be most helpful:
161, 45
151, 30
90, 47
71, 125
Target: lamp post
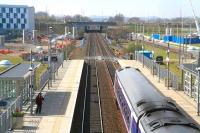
198, 107
152, 63
31, 83
167, 60
158, 73
142, 55
49, 60
34, 31
143, 46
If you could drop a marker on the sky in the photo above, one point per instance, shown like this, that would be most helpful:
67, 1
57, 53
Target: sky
129, 8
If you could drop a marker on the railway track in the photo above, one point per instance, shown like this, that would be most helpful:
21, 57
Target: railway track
92, 118
96, 109
112, 119
107, 52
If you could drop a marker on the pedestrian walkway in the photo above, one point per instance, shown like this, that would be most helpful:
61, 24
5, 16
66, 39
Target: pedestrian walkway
185, 102
59, 102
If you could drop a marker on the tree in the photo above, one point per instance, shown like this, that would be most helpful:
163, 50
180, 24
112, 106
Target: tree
119, 18
111, 19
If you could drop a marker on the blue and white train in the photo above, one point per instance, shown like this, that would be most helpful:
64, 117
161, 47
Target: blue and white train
144, 109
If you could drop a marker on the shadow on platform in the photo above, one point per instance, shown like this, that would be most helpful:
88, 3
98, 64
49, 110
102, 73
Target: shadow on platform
55, 103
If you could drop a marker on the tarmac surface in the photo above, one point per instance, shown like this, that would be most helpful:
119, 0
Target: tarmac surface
59, 102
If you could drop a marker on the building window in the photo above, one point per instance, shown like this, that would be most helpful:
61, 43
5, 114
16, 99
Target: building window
23, 26
18, 10
15, 26
11, 20
25, 21
8, 25
24, 10
7, 15
1, 25
18, 20
15, 15
22, 15
11, 10
3, 9
3, 20
1, 15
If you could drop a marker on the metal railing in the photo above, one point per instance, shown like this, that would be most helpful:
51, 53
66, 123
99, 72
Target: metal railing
44, 79
54, 66
6, 119
161, 72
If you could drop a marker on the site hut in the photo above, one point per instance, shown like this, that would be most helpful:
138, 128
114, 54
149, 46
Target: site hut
15, 82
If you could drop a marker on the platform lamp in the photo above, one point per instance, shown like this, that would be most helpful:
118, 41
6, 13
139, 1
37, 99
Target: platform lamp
49, 60
167, 60
31, 70
152, 62
198, 86
143, 45
198, 107
142, 55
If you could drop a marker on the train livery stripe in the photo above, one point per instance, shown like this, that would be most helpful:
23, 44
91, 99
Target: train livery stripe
133, 118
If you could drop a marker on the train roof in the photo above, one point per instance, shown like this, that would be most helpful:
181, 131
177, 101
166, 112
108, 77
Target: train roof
137, 87
157, 113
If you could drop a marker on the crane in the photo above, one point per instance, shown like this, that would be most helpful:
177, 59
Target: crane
195, 18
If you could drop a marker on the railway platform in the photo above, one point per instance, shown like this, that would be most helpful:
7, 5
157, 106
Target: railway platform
59, 102
183, 101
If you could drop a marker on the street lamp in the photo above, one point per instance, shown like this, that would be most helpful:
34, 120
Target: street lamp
198, 107
49, 60
152, 62
167, 60
142, 55
143, 46
31, 70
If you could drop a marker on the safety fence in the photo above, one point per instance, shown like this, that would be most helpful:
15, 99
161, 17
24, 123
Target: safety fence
54, 68
6, 118
43, 79
161, 72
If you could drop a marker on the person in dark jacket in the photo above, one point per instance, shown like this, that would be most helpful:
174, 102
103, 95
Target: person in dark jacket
39, 100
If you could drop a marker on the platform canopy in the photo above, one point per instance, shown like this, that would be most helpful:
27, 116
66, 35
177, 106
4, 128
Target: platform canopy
17, 72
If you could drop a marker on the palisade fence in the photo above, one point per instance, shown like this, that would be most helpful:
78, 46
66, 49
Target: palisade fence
156, 69
54, 67
43, 79
6, 119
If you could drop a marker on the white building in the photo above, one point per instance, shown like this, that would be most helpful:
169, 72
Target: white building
17, 17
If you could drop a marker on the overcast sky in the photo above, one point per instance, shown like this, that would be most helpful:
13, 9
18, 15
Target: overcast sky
130, 8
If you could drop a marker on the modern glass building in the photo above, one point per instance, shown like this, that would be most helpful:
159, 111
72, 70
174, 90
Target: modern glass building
17, 17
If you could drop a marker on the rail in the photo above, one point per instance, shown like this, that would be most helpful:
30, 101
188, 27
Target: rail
110, 65
89, 53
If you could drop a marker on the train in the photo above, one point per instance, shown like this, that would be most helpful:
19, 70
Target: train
144, 109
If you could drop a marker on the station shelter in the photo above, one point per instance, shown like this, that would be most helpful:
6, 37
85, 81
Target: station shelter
18, 81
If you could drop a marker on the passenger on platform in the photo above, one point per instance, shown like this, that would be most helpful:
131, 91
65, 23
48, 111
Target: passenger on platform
39, 100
